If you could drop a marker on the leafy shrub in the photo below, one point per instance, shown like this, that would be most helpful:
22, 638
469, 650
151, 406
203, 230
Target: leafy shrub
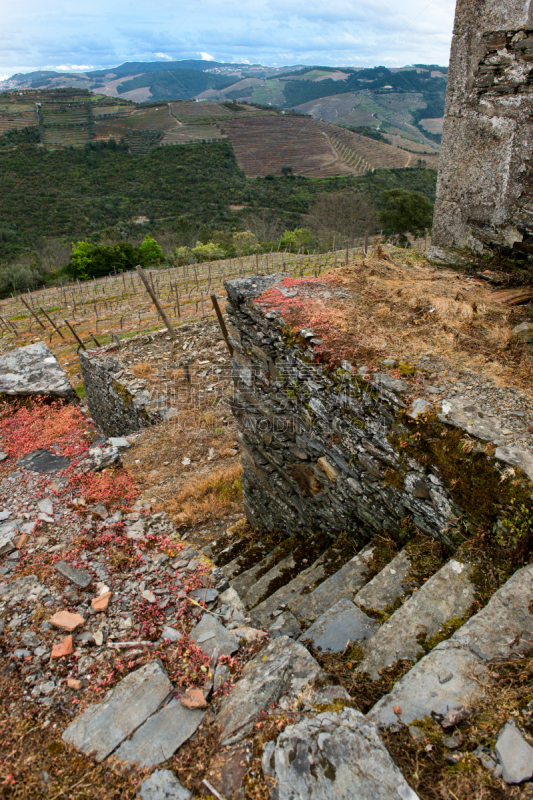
405, 212
208, 252
150, 251
298, 239
18, 278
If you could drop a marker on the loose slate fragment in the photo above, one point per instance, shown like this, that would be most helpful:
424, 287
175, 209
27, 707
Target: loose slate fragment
515, 754
210, 634
43, 461
160, 736
103, 726
333, 756
163, 785
75, 576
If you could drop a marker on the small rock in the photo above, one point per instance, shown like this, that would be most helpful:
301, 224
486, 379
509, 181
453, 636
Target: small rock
193, 698
30, 639
328, 468
46, 506
514, 754
63, 648
75, 684
163, 785
211, 635
98, 637
67, 621
205, 595
3, 456
455, 716
417, 733
148, 596
76, 576
453, 742
4, 514
119, 441
171, 634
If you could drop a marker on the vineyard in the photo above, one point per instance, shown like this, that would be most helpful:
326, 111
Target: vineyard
264, 145
119, 305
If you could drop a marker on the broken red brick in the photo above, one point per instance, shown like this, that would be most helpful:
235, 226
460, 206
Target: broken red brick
101, 602
73, 683
63, 648
67, 621
193, 698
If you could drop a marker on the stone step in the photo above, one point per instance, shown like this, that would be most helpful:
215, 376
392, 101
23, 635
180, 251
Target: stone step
342, 585
263, 612
246, 580
395, 581
452, 675
448, 595
284, 571
250, 555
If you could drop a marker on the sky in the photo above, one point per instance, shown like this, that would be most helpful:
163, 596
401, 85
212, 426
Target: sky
66, 35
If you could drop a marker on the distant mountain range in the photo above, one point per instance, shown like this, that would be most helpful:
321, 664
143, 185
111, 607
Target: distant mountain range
406, 104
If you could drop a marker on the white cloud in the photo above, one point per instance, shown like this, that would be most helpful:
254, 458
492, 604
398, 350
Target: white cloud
163, 55
206, 57
73, 67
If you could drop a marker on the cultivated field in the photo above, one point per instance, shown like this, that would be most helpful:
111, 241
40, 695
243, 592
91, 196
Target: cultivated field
264, 145
119, 305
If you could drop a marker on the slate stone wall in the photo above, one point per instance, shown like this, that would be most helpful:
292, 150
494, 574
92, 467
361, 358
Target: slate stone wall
323, 448
484, 195
117, 410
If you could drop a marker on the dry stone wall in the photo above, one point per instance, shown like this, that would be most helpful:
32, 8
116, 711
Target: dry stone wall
484, 196
119, 407
340, 448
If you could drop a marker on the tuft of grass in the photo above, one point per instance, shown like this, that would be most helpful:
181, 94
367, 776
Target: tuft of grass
204, 498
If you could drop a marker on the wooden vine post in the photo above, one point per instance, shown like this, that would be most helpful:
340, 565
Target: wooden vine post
156, 302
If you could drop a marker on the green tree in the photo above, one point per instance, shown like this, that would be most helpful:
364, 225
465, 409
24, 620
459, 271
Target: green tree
403, 211
297, 239
150, 251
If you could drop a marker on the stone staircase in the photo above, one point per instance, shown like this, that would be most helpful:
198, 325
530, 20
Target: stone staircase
314, 596
391, 616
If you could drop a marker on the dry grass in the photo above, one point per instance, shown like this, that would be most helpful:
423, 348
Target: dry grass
206, 498
142, 370
405, 311
35, 762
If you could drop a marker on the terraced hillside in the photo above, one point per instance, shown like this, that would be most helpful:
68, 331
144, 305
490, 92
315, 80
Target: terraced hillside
65, 124
16, 116
264, 145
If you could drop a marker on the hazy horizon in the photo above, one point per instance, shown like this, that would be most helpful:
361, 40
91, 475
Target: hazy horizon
262, 32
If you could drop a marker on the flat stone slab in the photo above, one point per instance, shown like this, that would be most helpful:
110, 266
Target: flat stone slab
33, 370
163, 785
341, 624
281, 667
289, 593
514, 754
103, 726
342, 585
211, 635
387, 586
444, 679
504, 627
43, 461
76, 576
448, 593
333, 756
285, 624
259, 587
160, 736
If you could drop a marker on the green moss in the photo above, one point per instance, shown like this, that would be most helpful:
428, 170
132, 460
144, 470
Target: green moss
80, 391
406, 369
395, 478
444, 633
470, 475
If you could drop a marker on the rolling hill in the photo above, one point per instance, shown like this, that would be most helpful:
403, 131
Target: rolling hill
406, 105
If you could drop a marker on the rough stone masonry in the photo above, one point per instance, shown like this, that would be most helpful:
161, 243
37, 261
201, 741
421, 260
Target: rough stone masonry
484, 190
337, 447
